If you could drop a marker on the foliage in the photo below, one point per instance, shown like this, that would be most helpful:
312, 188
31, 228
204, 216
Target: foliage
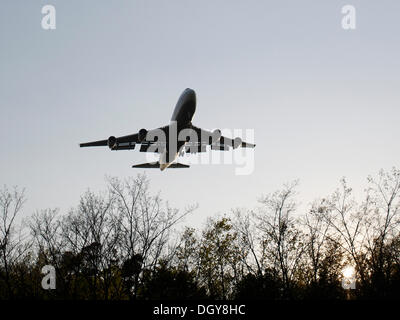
123, 244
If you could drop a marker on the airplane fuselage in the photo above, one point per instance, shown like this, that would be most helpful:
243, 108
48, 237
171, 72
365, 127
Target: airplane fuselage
185, 108
181, 119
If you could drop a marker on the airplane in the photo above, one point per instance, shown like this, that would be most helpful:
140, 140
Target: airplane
175, 139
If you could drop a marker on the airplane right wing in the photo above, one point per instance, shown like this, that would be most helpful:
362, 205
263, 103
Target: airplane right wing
129, 141
124, 141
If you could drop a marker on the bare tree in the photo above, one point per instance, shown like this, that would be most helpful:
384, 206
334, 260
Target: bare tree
384, 193
317, 235
245, 226
281, 240
348, 220
93, 232
383, 200
11, 246
46, 230
146, 223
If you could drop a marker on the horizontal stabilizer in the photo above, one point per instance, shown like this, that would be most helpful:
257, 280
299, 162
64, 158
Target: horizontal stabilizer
156, 165
147, 165
178, 165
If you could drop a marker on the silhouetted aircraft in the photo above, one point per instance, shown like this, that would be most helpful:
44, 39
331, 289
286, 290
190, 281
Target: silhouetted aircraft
175, 139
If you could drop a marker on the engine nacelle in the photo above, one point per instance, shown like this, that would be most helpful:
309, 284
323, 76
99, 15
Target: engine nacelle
237, 142
216, 135
112, 142
142, 135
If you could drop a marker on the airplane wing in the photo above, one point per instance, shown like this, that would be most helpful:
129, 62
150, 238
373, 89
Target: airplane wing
99, 143
231, 142
125, 140
129, 141
219, 143
151, 142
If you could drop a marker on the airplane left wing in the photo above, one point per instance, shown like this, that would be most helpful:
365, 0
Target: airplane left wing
237, 142
219, 142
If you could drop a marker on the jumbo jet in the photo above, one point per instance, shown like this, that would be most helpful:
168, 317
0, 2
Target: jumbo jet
175, 139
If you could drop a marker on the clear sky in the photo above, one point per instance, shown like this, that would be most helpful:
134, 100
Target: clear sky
323, 101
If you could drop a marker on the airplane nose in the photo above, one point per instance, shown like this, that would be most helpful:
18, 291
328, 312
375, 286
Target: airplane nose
191, 93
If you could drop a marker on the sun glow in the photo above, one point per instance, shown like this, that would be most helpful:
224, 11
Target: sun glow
348, 272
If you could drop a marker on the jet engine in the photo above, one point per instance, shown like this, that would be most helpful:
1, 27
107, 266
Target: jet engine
237, 142
216, 135
112, 142
142, 135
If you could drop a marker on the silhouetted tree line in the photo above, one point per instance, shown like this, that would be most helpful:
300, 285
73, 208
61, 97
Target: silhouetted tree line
124, 244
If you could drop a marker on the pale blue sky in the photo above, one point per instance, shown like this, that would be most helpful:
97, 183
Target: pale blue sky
324, 102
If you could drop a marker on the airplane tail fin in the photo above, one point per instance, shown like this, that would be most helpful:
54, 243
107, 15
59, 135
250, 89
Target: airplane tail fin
156, 165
